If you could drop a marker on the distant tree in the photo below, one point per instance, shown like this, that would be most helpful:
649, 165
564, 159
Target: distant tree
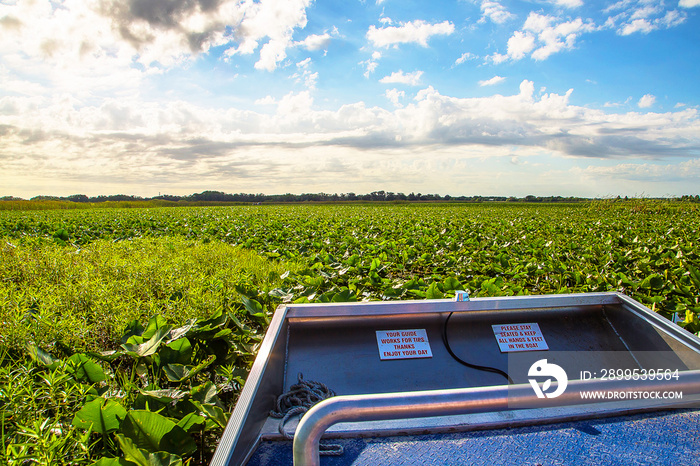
78, 198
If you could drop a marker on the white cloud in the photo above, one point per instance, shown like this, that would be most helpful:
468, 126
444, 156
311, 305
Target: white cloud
542, 36
103, 40
493, 81
306, 75
465, 56
129, 142
672, 18
647, 172
267, 100
642, 16
538, 23
295, 104
395, 96
646, 101
520, 44
275, 20
315, 42
399, 77
494, 11
310, 79
271, 54
569, 3
638, 25
418, 32
646, 11
497, 58
527, 89
68, 49
689, 3
371, 64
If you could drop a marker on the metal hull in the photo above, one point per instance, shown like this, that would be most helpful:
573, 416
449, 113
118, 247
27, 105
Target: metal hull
337, 344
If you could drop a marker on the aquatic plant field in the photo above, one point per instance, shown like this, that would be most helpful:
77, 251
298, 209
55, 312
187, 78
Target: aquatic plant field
126, 334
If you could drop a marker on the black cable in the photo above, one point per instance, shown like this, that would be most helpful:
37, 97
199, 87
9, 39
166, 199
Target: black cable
463, 362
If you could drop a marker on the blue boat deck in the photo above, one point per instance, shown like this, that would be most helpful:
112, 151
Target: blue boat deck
660, 438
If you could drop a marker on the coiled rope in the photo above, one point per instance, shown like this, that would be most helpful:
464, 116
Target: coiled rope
298, 400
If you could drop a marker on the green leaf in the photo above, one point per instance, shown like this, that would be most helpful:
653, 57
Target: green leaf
433, 292
165, 395
146, 429
215, 414
162, 458
241, 326
217, 320
40, 356
191, 422
180, 373
181, 331
149, 347
205, 393
176, 352
112, 462
154, 432
61, 234
100, 415
452, 284
108, 356
133, 328
154, 323
131, 451
221, 333
85, 368
343, 296
253, 307
144, 458
281, 294
694, 275
655, 282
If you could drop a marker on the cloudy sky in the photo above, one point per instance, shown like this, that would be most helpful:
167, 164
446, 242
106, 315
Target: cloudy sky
465, 97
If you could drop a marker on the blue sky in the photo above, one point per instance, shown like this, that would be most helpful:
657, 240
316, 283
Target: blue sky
468, 97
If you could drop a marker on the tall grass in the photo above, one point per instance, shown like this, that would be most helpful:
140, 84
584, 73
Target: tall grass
83, 297
38, 406
70, 205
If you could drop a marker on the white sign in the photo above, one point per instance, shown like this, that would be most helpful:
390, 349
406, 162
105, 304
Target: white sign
519, 337
403, 344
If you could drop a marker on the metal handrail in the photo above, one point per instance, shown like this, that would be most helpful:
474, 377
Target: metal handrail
405, 405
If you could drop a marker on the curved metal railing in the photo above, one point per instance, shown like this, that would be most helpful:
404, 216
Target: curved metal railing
405, 405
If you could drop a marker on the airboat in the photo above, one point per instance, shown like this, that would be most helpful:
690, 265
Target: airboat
592, 378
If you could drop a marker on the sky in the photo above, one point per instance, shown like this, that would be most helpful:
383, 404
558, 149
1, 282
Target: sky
466, 97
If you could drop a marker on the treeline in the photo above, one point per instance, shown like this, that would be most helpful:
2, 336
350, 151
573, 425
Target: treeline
375, 196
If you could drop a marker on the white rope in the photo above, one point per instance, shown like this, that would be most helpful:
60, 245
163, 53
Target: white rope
298, 400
